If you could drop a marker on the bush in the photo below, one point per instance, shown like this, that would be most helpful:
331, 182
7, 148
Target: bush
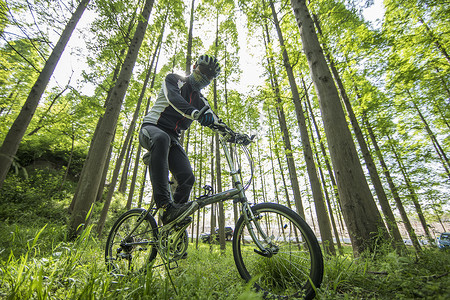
39, 198
50, 151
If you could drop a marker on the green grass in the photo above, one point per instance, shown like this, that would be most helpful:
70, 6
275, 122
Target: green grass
76, 271
49, 268
37, 262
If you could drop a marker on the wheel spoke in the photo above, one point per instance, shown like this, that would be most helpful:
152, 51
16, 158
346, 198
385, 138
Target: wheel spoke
127, 254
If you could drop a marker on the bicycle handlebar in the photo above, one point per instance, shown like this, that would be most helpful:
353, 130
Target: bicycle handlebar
227, 132
201, 112
230, 135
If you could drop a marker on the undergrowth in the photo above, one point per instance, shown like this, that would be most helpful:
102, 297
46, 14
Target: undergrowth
37, 262
76, 270
50, 268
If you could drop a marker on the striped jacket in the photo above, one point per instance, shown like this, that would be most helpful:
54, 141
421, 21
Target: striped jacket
175, 105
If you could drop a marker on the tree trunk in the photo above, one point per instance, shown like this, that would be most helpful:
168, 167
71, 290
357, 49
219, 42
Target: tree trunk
134, 176
261, 172
321, 211
361, 214
437, 146
200, 181
322, 176
435, 40
90, 182
126, 167
412, 192
68, 163
277, 154
373, 173
283, 127
138, 155
108, 97
212, 230
112, 185
189, 45
322, 148
274, 177
15, 134
128, 140
393, 188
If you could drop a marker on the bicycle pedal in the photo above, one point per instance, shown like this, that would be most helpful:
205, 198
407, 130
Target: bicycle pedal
172, 267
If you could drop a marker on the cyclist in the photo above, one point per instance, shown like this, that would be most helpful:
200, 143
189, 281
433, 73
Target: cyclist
176, 106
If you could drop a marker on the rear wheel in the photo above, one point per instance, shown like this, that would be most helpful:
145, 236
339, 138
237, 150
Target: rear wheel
127, 253
291, 265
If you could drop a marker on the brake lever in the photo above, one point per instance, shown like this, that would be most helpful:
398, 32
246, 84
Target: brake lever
242, 139
220, 126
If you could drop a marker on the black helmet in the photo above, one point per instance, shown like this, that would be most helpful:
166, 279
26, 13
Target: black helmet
208, 65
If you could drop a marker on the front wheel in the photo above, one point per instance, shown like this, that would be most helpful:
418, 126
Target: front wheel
130, 249
291, 265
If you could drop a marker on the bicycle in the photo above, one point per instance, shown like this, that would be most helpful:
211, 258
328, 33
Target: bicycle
272, 245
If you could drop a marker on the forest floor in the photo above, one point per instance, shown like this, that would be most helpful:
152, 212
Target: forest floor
37, 262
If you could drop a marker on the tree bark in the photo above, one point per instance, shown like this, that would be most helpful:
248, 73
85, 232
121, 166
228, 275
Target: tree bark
441, 153
128, 140
393, 188
373, 173
283, 127
126, 167
189, 45
412, 192
212, 231
322, 176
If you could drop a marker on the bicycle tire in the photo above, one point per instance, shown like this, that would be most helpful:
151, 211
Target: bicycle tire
295, 270
123, 260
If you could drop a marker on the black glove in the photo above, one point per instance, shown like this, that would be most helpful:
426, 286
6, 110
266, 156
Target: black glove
206, 119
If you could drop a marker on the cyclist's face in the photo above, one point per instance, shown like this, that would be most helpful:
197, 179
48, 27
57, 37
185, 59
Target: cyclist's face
199, 80
199, 69
201, 77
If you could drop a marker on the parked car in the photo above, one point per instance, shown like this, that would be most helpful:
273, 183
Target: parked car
444, 241
206, 236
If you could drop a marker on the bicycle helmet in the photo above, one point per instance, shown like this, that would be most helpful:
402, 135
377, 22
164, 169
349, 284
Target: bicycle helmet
208, 65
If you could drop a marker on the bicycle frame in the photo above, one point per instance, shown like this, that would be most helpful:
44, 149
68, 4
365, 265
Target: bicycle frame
237, 194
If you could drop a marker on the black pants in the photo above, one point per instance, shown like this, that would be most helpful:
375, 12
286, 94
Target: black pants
166, 154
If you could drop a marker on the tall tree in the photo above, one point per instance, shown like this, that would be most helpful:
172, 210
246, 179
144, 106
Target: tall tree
412, 191
283, 126
189, 45
382, 198
15, 134
321, 211
393, 187
361, 214
89, 183
138, 153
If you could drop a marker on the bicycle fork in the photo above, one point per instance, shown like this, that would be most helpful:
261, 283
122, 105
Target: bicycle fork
265, 244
